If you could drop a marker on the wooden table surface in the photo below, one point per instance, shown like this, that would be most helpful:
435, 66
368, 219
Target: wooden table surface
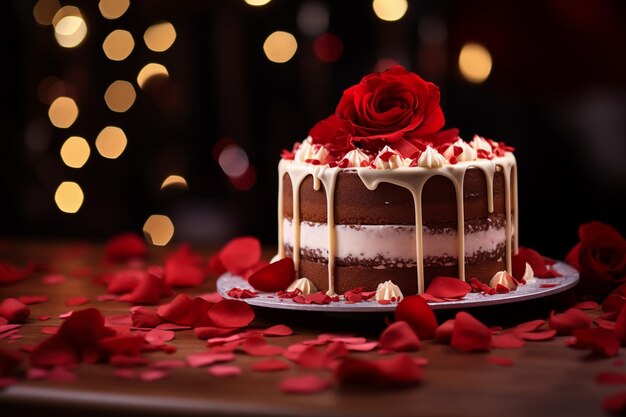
548, 379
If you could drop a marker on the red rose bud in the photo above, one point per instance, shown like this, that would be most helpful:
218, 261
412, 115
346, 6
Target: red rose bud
14, 310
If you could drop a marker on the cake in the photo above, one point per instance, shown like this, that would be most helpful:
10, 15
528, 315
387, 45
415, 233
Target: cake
379, 197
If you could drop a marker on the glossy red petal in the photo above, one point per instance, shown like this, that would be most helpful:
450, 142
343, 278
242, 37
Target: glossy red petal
210, 332
158, 336
240, 254
123, 281
32, 299
10, 273
304, 384
196, 360
615, 404
444, 331
447, 287
399, 370
312, 358
76, 301
416, 312
277, 330
270, 365
53, 279
224, 370
153, 375
399, 337
14, 310
315, 298
601, 341
587, 305
184, 310
500, 361
274, 277
231, 313
145, 318
149, 290
257, 346
54, 351
362, 347
506, 341
572, 319
529, 326
124, 247
470, 334
126, 344
184, 268
537, 336
611, 378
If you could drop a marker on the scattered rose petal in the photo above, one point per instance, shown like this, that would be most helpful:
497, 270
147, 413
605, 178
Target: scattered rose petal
231, 313
124, 247
277, 330
443, 333
240, 254
536, 262
44, 317
615, 404
257, 346
315, 298
241, 293
529, 326
66, 315
304, 384
211, 332
399, 337
538, 336
50, 329
586, 305
270, 365
76, 301
125, 374
61, 374
196, 360
184, 310
32, 299
169, 364
211, 297
611, 378
416, 312
570, 320
184, 268
10, 361
470, 334
311, 358
500, 361
601, 341
145, 318
159, 337
225, 370
10, 273
14, 310
274, 277
362, 347
54, 279
447, 287
149, 290
123, 281
399, 370
507, 341
153, 375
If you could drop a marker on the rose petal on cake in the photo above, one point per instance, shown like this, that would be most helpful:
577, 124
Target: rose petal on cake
529, 326
183, 268
611, 378
125, 246
76, 301
274, 277
153, 375
241, 293
270, 365
304, 384
538, 336
601, 341
196, 360
443, 333
315, 298
500, 361
277, 330
416, 312
399, 370
429, 298
224, 370
586, 305
14, 310
145, 318
572, 319
231, 313
32, 299
158, 336
469, 334
447, 287
184, 310
257, 346
507, 341
240, 254
399, 337
53, 279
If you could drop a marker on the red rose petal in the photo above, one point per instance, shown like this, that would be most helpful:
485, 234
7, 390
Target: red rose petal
76, 301
211, 332
32, 299
311, 358
304, 384
362, 347
257, 346
620, 326
601, 341
529, 326
149, 290
570, 320
53, 279
61, 374
537, 263
399, 370
470, 334
225, 370
615, 404
614, 302
125, 344
399, 337
231, 313
184, 310
153, 375
315, 298
159, 337
586, 305
169, 364
444, 331
211, 297
277, 330
537, 336
184, 268
241, 293
416, 312
274, 277
50, 330
14, 310
123, 281
447, 287
611, 378
270, 365
10, 273
44, 317
196, 360
240, 254
500, 361
145, 318
124, 247
507, 341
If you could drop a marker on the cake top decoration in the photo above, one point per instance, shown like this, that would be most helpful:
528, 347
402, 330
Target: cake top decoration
387, 121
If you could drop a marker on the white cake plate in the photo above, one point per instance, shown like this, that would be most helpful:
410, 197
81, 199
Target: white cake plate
530, 291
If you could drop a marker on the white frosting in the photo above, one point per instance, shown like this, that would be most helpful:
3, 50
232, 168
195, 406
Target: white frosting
388, 291
303, 284
478, 143
503, 278
389, 241
355, 157
431, 158
468, 153
394, 161
529, 274
308, 151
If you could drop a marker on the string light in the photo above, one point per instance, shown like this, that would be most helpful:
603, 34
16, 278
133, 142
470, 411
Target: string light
313, 18
257, 2
174, 181
44, 11
75, 152
70, 29
63, 112
149, 71
120, 96
69, 197
118, 45
158, 229
475, 63
112, 9
280, 47
233, 160
111, 142
390, 10
160, 36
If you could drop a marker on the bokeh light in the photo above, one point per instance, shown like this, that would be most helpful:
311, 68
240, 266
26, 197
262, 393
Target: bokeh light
475, 63
158, 229
111, 142
328, 47
45, 10
312, 18
50, 88
151, 70
233, 160
112, 9
245, 181
70, 29
120, 96
75, 152
63, 112
280, 47
118, 45
174, 181
432, 30
160, 36
69, 197
257, 2
390, 10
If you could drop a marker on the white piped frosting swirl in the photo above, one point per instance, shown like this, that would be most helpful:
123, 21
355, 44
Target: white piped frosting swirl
479, 143
307, 152
431, 158
388, 291
303, 284
355, 158
467, 152
394, 161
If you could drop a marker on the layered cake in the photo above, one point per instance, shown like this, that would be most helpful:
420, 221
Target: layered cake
379, 197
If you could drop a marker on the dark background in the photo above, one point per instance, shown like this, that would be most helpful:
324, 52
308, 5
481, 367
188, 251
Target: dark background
557, 93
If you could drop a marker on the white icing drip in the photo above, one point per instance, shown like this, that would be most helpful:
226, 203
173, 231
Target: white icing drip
303, 284
388, 291
468, 153
431, 158
355, 158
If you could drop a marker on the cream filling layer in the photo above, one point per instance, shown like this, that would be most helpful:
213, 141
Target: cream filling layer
390, 241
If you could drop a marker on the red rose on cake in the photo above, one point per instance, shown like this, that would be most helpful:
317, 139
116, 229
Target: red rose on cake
600, 256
